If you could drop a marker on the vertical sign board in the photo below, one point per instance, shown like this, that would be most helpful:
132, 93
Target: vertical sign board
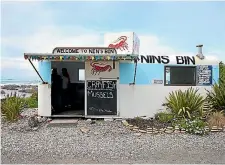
101, 97
167, 81
204, 75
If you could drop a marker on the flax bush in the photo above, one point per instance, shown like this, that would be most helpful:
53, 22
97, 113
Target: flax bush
12, 106
185, 104
216, 96
222, 71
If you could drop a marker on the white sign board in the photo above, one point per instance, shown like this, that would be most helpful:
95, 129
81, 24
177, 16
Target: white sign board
101, 69
88, 51
123, 42
157, 81
136, 44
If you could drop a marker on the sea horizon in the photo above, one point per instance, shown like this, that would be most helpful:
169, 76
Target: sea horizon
10, 81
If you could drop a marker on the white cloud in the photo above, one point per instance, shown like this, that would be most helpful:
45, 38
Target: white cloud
47, 36
150, 44
27, 10
17, 63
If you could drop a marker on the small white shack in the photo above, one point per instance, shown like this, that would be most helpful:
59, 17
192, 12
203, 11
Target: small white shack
118, 82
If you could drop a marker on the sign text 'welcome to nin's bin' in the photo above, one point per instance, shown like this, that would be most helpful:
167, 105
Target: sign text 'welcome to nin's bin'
88, 51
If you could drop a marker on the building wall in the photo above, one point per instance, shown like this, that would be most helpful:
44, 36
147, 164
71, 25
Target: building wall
44, 68
146, 98
44, 100
143, 98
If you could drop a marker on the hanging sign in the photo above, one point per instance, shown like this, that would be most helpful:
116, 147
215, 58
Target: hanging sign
84, 50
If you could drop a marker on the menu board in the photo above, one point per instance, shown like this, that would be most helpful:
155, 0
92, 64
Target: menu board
204, 75
101, 97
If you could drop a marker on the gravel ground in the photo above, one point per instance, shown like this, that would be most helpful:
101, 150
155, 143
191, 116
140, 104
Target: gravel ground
106, 142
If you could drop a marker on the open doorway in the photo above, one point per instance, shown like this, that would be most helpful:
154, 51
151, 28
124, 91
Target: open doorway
68, 88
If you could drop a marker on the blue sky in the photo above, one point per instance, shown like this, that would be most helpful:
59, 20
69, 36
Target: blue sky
161, 27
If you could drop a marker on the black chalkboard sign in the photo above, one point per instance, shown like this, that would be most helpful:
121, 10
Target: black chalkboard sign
204, 75
101, 97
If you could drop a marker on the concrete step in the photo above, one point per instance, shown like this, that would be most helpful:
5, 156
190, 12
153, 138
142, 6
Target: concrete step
63, 123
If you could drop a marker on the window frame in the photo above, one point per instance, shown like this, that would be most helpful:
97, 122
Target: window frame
79, 75
178, 66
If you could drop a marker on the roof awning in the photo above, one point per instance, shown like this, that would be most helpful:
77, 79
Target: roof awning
78, 57
81, 54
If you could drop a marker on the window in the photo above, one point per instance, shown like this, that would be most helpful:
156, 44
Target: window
180, 75
81, 74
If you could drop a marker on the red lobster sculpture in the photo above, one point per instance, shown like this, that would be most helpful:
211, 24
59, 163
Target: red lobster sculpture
98, 67
120, 43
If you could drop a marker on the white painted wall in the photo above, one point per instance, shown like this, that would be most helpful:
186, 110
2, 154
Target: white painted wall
44, 100
146, 100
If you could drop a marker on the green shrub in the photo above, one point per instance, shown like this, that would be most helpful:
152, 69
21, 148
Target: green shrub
138, 118
164, 117
34, 95
221, 72
216, 96
187, 104
195, 126
12, 106
31, 102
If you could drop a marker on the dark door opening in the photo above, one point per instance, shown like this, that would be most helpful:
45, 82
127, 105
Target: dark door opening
68, 98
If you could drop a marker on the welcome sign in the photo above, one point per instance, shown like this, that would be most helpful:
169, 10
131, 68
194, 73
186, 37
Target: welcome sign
84, 50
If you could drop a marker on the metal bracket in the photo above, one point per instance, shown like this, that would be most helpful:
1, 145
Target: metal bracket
102, 78
43, 82
135, 72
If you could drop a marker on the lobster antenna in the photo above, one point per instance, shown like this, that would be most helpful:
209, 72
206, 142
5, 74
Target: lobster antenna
113, 64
